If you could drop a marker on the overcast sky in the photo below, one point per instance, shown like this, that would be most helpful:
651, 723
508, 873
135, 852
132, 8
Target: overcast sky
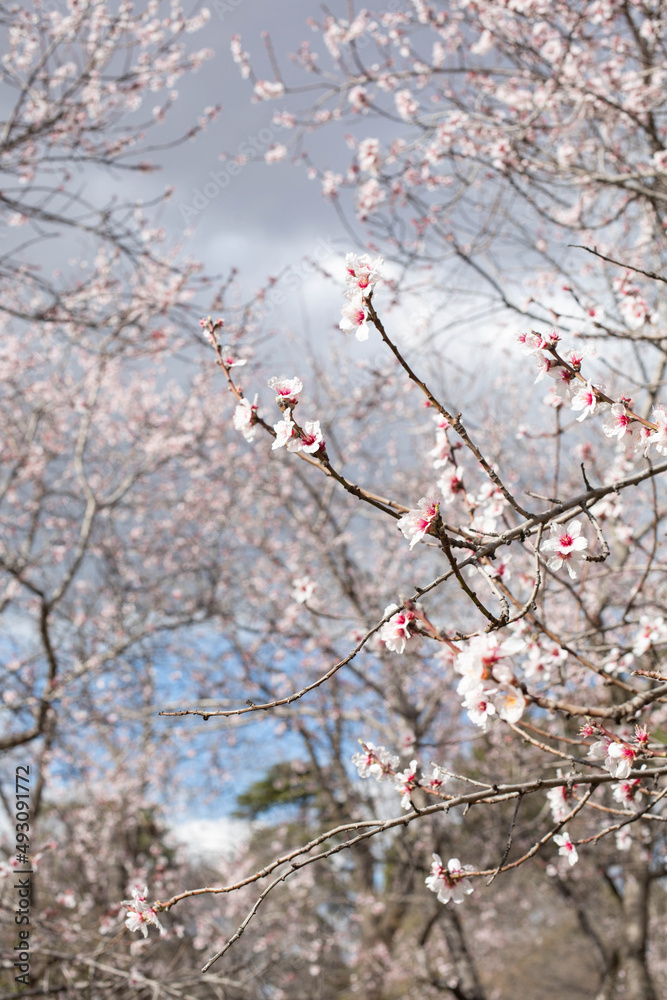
267, 217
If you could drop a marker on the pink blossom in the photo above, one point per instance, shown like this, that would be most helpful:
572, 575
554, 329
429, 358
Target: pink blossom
375, 762
510, 704
275, 153
369, 155
330, 183
285, 433
396, 631
634, 311
623, 839
584, 399
652, 630
638, 441
139, 914
267, 90
626, 792
228, 358
369, 196
438, 778
659, 436
302, 589
406, 105
354, 318
616, 422
450, 882
417, 523
568, 545
244, 418
362, 272
566, 847
286, 389
406, 781
478, 704
311, 439
481, 660
358, 98
560, 801
451, 485
618, 756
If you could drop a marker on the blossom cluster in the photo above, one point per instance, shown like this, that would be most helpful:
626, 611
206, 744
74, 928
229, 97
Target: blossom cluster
488, 683
379, 763
619, 755
418, 522
375, 762
140, 914
362, 274
634, 435
450, 882
568, 545
396, 632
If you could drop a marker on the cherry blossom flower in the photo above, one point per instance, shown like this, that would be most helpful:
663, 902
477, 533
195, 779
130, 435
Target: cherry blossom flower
244, 418
358, 98
560, 800
510, 704
566, 847
450, 882
397, 630
639, 439
302, 589
275, 153
406, 781
626, 792
369, 196
479, 706
634, 311
139, 914
286, 389
285, 433
417, 523
406, 105
331, 181
617, 421
533, 342
481, 660
369, 155
618, 756
623, 839
354, 318
363, 272
228, 358
651, 630
438, 778
543, 656
311, 439
375, 762
584, 399
659, 436
450, 484
267, 90
568, 545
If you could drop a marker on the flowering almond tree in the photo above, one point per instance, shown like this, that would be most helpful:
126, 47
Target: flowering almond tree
523, 589
419, 609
